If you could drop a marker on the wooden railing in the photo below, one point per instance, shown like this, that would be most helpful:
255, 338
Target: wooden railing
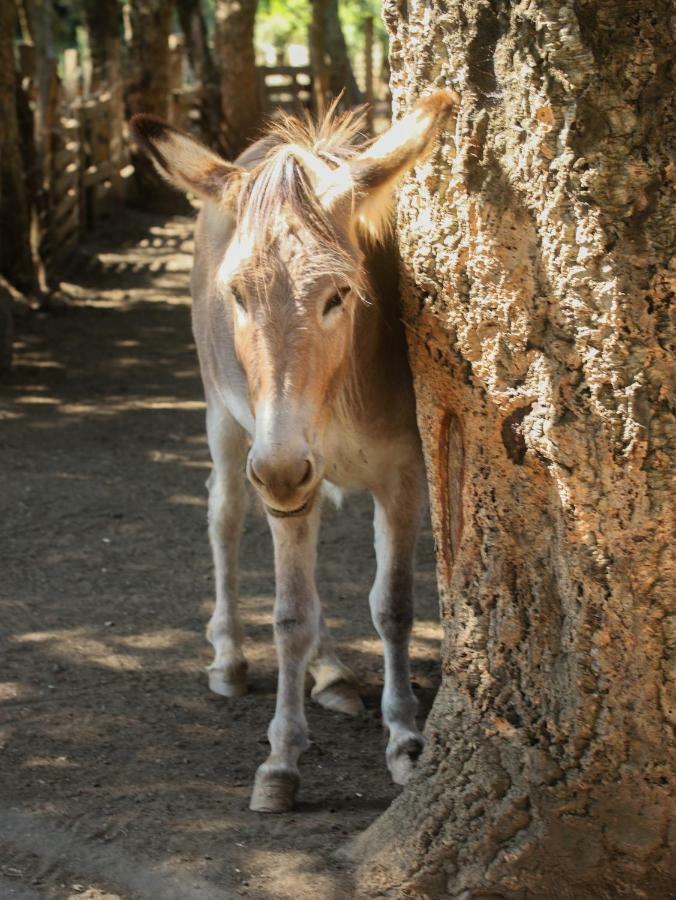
286, 87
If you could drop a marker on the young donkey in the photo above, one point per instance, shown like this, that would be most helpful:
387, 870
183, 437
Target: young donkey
303, 359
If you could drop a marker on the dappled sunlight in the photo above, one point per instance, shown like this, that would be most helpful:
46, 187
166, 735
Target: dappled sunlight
288, 871
50, 762
84, 646
28, 399
76, 646
158, 640
427, 630
14, 690
186, 500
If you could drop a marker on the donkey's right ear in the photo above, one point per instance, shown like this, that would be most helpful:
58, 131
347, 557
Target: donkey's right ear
183, 161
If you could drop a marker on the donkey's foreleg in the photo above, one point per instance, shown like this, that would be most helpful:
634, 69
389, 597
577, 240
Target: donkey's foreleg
296, 626
396, 524
335, 685
227, 506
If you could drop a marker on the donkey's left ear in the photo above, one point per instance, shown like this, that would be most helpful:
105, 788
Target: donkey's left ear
181, 160
368, 179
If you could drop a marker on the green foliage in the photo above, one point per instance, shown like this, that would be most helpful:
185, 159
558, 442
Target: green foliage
352, 14
282, 22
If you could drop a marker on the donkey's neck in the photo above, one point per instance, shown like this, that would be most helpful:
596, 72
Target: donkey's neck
381, 362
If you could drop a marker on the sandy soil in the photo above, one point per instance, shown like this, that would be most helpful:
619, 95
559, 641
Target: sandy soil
122, 776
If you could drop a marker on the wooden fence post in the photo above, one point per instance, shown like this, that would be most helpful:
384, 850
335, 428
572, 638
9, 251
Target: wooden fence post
176, 58
71, 84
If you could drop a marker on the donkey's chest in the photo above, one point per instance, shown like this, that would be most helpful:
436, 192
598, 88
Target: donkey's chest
362, 461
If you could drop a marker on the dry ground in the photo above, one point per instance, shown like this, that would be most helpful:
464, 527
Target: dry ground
121, 775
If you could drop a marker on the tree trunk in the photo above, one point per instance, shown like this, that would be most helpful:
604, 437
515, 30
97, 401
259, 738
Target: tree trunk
16, 260
39, 117
148, 91
236, 59
536, 274
103, 18
104, 27
341, 76
203, 67
317, 45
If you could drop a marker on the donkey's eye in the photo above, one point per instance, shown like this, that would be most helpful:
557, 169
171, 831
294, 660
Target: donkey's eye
239, 300
335, 301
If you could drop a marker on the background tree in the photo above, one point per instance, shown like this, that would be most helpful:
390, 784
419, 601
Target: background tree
16, 260
536, 273
341, 76
202, 64
103, 22
240, 94
318, 57
148, 89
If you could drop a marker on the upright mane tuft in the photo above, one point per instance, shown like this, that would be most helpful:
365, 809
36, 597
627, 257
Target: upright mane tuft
336, 137
282, 183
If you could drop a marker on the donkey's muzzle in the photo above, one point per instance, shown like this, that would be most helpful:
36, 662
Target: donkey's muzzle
284, 481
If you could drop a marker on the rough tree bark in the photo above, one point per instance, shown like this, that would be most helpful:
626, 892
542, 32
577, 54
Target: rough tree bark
202, 63
537, 261
16, 260
236, 60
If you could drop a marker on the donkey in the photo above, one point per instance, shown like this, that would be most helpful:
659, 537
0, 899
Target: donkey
303, 358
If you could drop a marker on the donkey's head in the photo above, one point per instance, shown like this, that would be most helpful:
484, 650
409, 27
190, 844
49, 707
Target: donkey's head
292, 272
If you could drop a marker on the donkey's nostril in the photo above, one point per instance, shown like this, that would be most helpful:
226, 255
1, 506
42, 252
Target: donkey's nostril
307, 475
255, 477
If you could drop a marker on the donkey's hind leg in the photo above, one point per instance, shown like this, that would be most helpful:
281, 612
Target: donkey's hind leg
227, 506
335, 684
396, 525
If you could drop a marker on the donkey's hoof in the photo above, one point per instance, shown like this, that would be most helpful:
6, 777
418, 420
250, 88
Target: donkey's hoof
274, 792
401, 761
342, 697
228, 683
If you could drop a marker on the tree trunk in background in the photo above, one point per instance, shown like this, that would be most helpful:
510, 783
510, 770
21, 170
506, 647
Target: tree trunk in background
236, 60
203, 67
536, 274
341, 76
317, 47
16, 260
148, 91
104, 26
103, 19
40, 116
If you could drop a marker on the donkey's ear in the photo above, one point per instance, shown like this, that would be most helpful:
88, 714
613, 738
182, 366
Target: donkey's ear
183, 161
369, 178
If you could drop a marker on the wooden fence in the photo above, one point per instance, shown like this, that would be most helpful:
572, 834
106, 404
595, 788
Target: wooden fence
286, 87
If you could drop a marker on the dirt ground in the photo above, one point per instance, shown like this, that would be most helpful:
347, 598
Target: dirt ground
122, 776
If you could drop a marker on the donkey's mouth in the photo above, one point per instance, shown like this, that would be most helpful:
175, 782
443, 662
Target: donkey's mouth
289, 513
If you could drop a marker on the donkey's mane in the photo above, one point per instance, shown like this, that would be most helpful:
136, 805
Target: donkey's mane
333, 138
282, 184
